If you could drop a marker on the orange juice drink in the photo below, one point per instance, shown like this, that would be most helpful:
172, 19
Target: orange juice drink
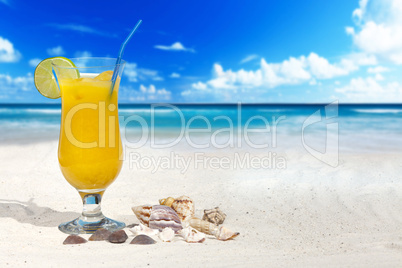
90, 149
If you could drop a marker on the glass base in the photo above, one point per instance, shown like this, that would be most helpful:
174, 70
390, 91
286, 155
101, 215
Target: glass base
82, 226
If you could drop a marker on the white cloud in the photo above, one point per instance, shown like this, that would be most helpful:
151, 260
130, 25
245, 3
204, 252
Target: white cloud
378, 29
11, 85
199, 86
56, 51
270, 75
7, 51
134, 73
249, 58
175, 47
359, 12
174, 75
370, 90
145, 94
34, 62
377, 69
82, 54
79, 28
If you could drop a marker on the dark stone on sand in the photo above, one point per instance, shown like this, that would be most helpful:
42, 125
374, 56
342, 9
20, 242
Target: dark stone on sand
100, 235
119, 236
142, 240
132, 225
74, 239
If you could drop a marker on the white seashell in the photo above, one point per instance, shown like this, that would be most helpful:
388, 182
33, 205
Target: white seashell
158, 217
167, 235
221, 233
204, 226
191, 235
143, 229
226, 234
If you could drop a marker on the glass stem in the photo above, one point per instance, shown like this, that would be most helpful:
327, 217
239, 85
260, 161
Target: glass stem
92, 207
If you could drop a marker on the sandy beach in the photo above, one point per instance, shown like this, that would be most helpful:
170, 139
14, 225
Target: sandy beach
307, 214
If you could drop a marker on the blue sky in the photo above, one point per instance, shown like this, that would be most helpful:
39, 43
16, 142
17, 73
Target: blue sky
214, 51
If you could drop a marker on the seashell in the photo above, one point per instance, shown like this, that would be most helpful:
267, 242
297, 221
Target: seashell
74, 239
203, 226
167, 235
191, 235
214, 215
143, 229
143, 213
183, 206
221, 233
100, 235
226, 234
118, 237
166, 201
142, 240
158, 217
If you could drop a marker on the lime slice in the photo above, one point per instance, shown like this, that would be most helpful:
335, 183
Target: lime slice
45, 81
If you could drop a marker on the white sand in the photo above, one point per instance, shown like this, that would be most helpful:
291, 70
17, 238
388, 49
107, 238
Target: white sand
308, 214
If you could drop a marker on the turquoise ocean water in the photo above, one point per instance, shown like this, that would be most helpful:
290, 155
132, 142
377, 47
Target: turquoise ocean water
360, 127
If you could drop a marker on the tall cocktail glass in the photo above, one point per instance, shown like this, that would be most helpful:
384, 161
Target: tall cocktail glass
90, 149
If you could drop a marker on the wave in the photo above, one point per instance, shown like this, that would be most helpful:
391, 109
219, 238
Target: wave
378, 111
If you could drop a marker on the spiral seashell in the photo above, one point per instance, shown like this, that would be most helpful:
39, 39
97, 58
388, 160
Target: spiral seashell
183, 206
166, 201
221, 233
143, 213
214, 215
158, 217
203, 226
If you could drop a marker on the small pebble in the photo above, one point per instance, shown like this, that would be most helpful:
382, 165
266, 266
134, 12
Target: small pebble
74, 239
100, 235
132, 225
142, 240
119, 236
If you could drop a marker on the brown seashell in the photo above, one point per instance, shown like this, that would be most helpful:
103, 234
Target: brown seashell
158, 217
119, 236
163, 217
184, 207
142, 240
214, 215
74, 239
166, 201
100, 235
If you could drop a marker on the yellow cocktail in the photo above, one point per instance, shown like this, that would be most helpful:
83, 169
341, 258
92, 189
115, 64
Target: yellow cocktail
90, 151
90, 148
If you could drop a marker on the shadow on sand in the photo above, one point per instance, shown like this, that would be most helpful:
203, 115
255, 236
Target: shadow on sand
29, 212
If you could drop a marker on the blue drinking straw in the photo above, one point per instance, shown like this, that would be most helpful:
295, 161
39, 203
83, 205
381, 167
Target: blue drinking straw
118, 61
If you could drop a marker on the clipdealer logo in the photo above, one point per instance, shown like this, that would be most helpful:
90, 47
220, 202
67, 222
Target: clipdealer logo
201, 160
330, 155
